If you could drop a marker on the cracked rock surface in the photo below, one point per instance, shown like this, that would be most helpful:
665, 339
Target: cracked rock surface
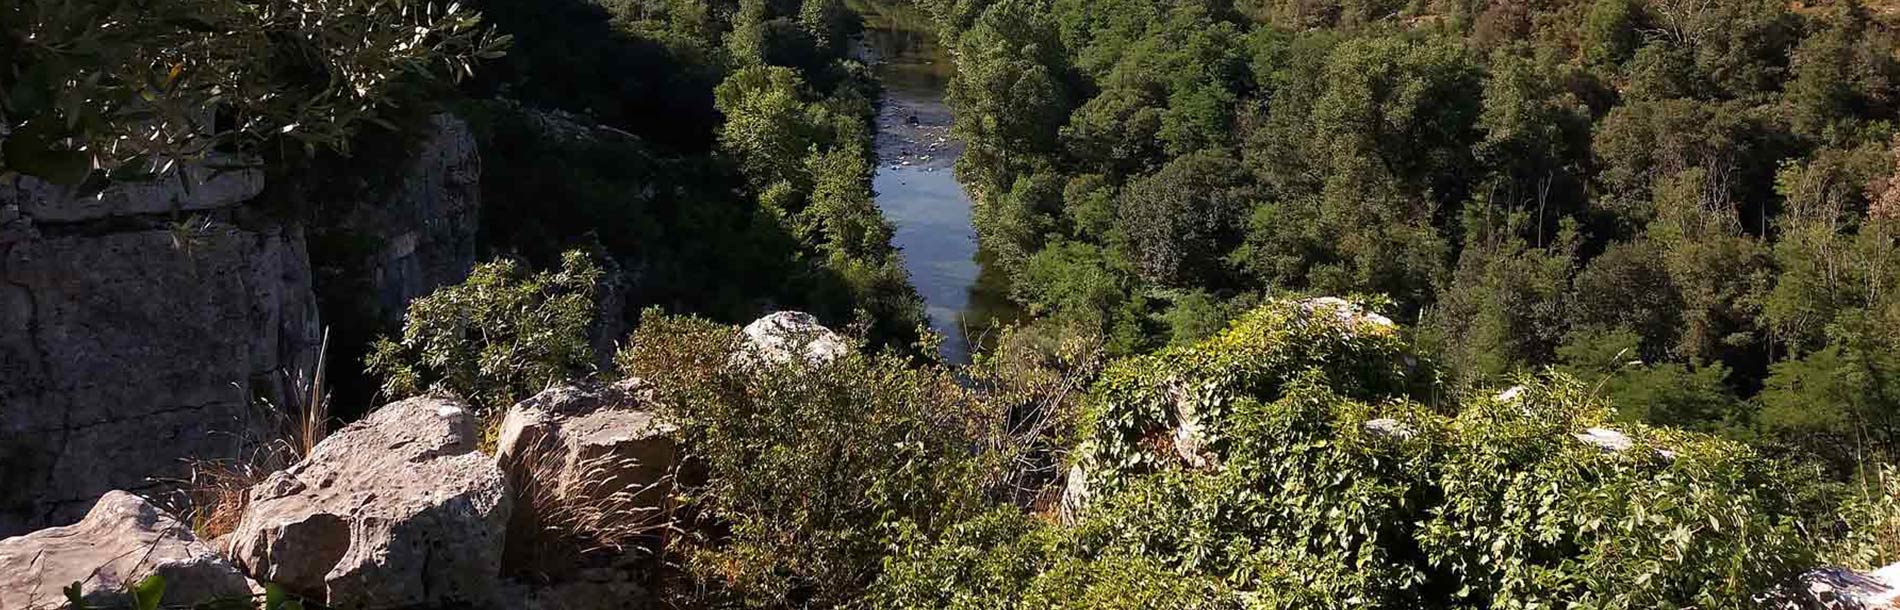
125, 348
396, 510
138, 325
122, 540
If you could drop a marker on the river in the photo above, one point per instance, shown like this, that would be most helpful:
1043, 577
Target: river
916, 184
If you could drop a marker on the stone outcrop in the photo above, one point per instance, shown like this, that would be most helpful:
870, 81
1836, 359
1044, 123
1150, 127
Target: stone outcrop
121, 541
1388, 428
215, 184
139, 324
136, 326
1075, 495
424, 224
1189, 437
785, 335
592, 445
1835, 588
395, 510
1346, 311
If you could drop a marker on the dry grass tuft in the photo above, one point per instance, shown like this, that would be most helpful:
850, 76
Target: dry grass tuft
213, 496
569, 514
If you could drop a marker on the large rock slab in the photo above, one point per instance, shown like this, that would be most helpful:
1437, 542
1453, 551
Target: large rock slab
218, 182
126, 348
395, 510
122, 540
1836, 588
593, 445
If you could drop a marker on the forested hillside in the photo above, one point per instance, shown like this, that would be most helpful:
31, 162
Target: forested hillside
735, 173
1689, 201
1428, 304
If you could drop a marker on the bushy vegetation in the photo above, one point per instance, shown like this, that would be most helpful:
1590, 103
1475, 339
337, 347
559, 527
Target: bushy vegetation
803, 471
1690, 198
718, 152
496, 339
1316, 481
1305, 456
97, 90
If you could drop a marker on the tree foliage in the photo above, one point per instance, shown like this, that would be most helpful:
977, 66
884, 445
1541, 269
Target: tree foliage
1521, 178
98, 89
501, 336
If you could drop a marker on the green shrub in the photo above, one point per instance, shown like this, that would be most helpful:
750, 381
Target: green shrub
497, 338
801, 472
1262, 351
1320, 485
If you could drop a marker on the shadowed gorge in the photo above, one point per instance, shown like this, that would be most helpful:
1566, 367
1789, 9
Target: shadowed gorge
965, 304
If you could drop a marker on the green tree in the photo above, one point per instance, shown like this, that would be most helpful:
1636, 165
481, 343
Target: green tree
1180, 223
137, 88
1609, 32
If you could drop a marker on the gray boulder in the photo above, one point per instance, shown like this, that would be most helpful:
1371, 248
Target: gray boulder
1392, 429
123, 540
782, 336
122, 352
396, 510
1836, 588
596, 454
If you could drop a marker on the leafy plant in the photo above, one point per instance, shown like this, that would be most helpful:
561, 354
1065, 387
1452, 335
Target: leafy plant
498, 337
805, 469
1313, 481
97, 89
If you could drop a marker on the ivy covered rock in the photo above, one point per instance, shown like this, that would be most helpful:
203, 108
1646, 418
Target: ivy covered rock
395, 510
1327, 482
1176, 405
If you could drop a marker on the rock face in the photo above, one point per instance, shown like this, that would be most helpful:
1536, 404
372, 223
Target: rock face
598, 445
781, 336
138, 325
425, 224
1190, 436
1075, 495
395, 510
135, 328
121, 541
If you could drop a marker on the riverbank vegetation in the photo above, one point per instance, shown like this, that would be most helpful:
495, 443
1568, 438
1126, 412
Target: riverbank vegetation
1624, 333
731, 167
1689, 201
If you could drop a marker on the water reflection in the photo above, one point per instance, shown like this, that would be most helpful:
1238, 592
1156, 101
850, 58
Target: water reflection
916, 185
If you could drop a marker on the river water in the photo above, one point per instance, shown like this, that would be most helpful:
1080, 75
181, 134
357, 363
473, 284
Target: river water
916, 186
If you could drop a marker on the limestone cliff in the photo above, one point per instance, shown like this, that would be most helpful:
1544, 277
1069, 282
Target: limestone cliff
139, 326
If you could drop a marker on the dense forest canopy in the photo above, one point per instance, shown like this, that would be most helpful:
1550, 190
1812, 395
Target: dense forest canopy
1690, 200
